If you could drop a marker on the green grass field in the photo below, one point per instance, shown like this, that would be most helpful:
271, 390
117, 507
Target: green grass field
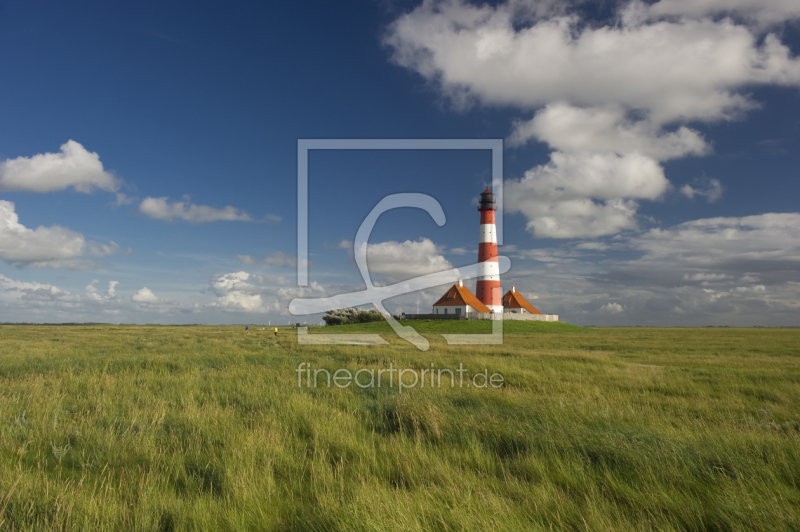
205, 428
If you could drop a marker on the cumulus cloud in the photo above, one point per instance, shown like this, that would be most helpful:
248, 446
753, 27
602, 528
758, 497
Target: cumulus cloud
46, 247
711, 189
399, 261
36, 292
94, 294
772, 237
764, 12
606, 128
613, 308
723, 266
593, 246
162, 209
585, 194
73, 166
41, 302
704, 276
611, 98
754, 288
245, 292
144, 295
672, 69
235, 293
714, 271
270, 279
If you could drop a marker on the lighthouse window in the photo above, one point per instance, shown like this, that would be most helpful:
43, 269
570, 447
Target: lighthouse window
458, 312
445, 311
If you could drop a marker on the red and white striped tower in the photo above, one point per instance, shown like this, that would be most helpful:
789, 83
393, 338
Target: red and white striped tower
488, 289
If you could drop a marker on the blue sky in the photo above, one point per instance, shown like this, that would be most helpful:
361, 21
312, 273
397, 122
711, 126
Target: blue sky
148, 155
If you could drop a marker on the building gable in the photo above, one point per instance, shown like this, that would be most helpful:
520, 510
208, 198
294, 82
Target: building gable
514, 299
459, 296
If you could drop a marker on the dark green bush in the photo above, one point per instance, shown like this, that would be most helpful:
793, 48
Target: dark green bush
351, 315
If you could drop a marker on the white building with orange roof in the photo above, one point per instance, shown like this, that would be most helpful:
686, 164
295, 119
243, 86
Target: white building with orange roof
515, 303
459, 301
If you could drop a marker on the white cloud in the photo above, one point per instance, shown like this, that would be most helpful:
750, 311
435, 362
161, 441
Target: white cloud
46, 247
20, 244
714, 241
73, 166
235, 293
63, 264
606, 129
761, 11
161, 209
717, 271
144, 295
613, 308
673, 70
559, 198
755, 288
705, 276
712, 190
283, 296
33, 301
111, 294
399, 261
96, 249
124, 199
611, 98
593, 246
34, 291
147, 301
269, 278
91, 290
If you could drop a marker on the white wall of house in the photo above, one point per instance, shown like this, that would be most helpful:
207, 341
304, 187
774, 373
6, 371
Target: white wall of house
453, 309
514, 316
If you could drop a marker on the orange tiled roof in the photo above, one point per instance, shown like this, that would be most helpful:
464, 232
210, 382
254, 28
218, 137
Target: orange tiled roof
515, 300
460, 295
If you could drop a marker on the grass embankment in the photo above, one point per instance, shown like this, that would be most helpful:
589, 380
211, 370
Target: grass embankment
205, 428
456, 327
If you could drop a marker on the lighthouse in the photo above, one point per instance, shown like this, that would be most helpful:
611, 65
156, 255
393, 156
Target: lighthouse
488, 287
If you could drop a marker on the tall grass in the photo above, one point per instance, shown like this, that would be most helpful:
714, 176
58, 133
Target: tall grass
205, 428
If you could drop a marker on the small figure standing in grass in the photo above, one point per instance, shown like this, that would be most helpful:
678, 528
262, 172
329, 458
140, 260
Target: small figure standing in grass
276, 332
247, 329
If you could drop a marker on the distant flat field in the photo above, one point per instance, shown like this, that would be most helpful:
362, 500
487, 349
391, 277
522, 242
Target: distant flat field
206, 428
